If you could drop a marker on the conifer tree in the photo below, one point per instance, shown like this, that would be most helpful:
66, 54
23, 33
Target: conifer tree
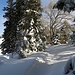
29, 33
9, 35
23, 30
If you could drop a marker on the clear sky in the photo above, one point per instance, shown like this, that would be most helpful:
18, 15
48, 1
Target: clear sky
4, 4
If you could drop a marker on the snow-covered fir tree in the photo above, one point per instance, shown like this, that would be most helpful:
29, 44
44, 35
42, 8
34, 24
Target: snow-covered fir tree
23, 29
30, 35
13, 13
8, 44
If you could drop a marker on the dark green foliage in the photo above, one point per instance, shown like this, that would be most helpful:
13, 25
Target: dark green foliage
66, 5
10, 29
30, 27
13, 14
23, 20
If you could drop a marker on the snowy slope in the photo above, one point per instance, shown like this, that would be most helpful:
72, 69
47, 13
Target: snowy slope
61, 54
50, 62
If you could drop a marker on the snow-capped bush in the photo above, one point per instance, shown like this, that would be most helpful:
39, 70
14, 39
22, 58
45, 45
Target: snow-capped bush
70, 66
72, 38
3, 58
1, 61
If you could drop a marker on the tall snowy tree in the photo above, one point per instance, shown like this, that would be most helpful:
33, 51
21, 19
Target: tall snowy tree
9, 35
23, 30
29, 30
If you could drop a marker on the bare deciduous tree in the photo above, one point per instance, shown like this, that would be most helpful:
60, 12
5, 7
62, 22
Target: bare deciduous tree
55, 18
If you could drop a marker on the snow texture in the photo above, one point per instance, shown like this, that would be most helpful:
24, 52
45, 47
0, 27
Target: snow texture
51, 62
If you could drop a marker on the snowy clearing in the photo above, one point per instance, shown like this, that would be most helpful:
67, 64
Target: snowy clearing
50, 62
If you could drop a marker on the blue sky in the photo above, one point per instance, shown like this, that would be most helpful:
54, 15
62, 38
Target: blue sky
3, 4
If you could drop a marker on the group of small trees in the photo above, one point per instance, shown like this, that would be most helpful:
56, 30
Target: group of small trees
55, 21
64, 32
23, 29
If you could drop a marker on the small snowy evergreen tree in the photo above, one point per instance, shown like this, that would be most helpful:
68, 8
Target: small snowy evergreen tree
72, 37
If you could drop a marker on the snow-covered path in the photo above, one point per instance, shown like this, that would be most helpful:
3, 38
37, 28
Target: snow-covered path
55, 62
61, 53
50, 62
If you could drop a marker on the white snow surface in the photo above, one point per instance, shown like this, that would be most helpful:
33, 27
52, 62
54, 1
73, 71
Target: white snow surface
50, 62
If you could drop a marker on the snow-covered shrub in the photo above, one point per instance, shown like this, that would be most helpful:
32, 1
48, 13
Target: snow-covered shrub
72, 37
3, 58
1, 61
70, 66
22, 54
55, 39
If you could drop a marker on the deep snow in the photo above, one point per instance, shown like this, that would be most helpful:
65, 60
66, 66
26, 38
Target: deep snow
50, 62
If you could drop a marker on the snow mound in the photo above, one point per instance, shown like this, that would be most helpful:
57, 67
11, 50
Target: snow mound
3, 59
27, 66
51, 62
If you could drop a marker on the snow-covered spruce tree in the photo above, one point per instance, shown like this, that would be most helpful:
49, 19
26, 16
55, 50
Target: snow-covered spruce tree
19, 36
30, 31
9, 34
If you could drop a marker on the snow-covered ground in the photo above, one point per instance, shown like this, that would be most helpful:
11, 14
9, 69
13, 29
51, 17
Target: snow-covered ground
50, 62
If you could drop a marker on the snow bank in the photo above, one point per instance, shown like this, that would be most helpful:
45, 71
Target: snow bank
18, 67
36, 62
50, 62
3, 59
